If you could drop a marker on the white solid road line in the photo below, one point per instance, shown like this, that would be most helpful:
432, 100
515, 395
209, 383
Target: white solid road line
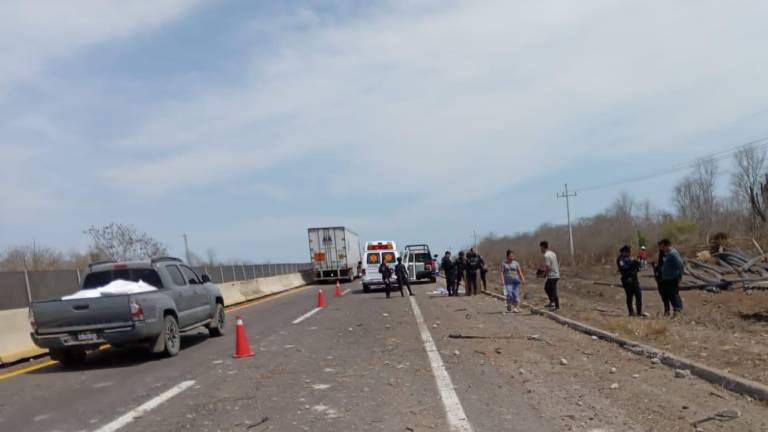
306, 315
345, 292
145, 408
457, 419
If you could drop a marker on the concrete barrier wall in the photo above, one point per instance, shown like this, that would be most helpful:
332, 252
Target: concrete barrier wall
17, 287
15, 343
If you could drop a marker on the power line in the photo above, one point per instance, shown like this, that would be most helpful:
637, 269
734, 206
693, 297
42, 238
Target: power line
760, 144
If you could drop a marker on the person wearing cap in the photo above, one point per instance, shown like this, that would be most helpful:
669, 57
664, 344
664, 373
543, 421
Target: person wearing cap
629, 267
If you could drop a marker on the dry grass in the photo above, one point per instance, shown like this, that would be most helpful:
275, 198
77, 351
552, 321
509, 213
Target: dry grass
644, 328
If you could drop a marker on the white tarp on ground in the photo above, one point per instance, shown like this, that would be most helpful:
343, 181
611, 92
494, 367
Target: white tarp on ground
116, 287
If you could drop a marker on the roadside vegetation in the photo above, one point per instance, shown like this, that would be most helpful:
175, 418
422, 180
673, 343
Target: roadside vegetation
698, 217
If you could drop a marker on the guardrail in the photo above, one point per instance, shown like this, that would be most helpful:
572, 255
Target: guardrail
19, 288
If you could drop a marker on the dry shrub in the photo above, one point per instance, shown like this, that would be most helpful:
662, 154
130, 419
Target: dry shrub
644, 328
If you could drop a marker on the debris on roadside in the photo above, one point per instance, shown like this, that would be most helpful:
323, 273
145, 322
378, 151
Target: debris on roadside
722, 416
563, 362
462, 336
539, 339
682, 373
614, 386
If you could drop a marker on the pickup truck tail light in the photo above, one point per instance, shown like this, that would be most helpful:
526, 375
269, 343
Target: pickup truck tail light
31, 317
137, 313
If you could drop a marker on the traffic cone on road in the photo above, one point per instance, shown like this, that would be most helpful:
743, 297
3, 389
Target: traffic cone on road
242, 347
320, 298
338, 289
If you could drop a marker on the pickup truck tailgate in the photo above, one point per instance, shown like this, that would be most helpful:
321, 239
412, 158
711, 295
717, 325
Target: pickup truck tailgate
61, 316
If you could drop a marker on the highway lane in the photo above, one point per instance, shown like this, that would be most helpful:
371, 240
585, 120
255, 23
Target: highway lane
359, 364
362, 364
56, 398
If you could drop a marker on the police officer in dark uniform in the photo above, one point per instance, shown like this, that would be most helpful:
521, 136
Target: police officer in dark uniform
449, 269
386, 275
401, 273
472, 267
460, 266
483, 272
629, 267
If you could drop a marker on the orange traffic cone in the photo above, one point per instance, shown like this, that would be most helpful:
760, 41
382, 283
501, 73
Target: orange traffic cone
338, 289
320, 298
242, 347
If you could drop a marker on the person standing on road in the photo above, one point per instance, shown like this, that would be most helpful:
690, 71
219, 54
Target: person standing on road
461, 267
628, 267
511, 279
401, 273
449, 270
386, 275
472, 266
551, 272
671, 274
483, 273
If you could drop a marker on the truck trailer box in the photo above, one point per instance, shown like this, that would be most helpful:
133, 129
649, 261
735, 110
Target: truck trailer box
335, 253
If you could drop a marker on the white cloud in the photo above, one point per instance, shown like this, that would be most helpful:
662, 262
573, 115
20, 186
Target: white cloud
35, 33
504, 90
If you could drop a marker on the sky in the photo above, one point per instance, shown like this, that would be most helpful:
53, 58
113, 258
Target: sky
243, 123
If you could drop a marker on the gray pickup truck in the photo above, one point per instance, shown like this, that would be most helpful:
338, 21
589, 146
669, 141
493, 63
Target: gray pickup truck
183, 301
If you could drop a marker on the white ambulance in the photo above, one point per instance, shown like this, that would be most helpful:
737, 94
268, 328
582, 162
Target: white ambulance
377, 252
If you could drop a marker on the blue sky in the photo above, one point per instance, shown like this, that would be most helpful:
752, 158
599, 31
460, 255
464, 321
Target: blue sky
243, 123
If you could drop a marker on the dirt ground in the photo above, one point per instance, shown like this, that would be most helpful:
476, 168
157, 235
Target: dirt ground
573, 381
727, 330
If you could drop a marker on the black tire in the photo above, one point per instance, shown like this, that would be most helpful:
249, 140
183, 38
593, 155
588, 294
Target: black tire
217, 325
366, 289
171, 336
68, 357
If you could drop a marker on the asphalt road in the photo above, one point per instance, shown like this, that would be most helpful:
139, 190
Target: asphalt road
362, 363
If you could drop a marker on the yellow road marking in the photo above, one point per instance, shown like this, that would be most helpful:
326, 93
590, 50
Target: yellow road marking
12, 374
50, 362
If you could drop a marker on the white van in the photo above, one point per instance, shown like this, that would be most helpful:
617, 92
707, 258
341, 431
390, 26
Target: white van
377, 252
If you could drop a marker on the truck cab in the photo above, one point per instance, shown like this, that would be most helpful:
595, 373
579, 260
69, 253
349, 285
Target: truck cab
377, 252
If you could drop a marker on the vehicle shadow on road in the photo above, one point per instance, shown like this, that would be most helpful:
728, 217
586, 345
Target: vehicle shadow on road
114, 358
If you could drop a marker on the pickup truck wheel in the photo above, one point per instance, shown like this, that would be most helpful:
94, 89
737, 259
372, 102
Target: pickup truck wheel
216, 327
68, 357
171, 336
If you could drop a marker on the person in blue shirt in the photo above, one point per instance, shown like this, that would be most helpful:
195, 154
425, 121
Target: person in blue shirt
671, 274
629, 267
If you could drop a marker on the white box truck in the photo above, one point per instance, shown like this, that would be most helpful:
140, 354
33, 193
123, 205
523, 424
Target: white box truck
335, 253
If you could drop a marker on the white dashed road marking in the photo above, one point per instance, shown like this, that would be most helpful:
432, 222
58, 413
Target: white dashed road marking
145, 408
306, 315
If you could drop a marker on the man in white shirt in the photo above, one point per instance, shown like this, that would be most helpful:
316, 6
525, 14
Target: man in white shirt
551, 272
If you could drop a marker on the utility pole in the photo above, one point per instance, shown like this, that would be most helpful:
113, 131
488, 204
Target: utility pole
186, 249
474, 237
568, 197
